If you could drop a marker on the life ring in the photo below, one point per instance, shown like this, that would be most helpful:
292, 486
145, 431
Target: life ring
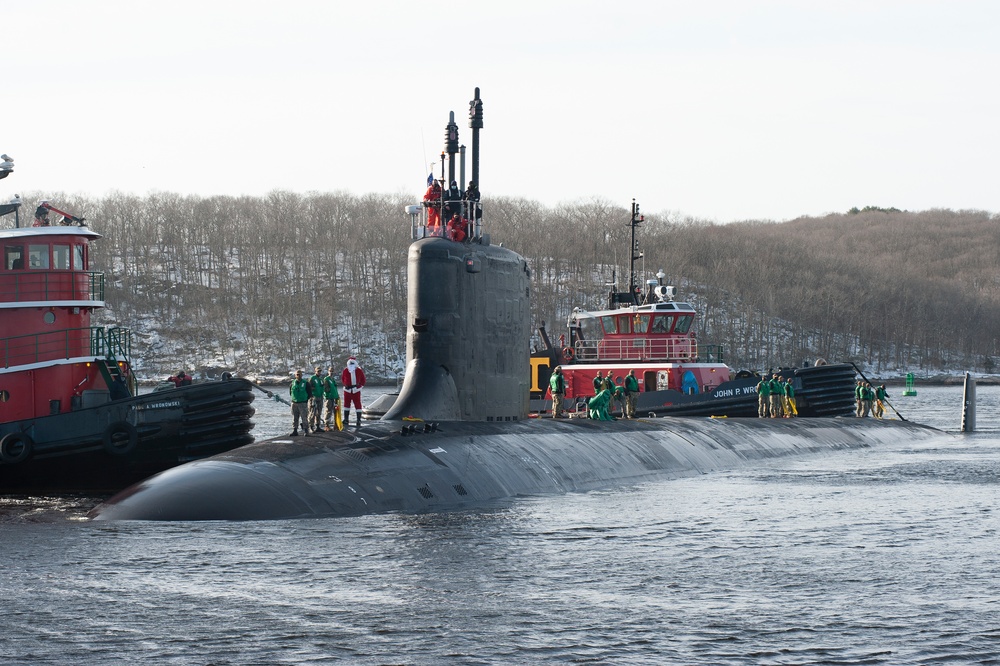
567, 354
15, 447
120, 438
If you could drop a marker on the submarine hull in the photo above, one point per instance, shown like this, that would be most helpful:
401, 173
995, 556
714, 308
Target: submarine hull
469, 464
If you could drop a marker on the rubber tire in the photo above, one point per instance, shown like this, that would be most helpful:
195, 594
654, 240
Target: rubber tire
226, 376
118, 429
11, 440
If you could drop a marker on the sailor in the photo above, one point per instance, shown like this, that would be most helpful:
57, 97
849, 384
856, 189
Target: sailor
764, 397
316, 399
558, 385
777, 397
598, 383
472, 196
609, 381
456, 228
453, 200
41, 217
631, 394
598, 407
432, 201
791, 409
332, 396
867, 396
299, 391
881, 396
859, 390
353, 379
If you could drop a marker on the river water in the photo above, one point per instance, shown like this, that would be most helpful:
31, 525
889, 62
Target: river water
869, 557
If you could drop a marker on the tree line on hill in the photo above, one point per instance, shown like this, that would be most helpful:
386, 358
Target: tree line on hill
265, 284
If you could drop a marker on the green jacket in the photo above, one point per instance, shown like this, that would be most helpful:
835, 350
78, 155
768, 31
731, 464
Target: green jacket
299, 391
777, 388
789, 390
764, 388
598, 383
330, 391
557, 383
316, 386
631, 384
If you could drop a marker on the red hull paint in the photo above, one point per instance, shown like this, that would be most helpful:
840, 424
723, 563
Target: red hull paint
70, 416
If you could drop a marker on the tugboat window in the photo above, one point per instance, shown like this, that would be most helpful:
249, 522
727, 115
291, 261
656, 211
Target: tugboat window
13, 258
610, 326
38, 256
60, 257
684, 323
4, 396
625, 324
589, 330
661, 324
78, 264
50, 317
642, 323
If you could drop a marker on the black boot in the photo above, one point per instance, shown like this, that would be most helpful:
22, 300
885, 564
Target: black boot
359, 419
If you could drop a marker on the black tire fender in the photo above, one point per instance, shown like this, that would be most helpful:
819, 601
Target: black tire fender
120, 438
15, 447
226, 376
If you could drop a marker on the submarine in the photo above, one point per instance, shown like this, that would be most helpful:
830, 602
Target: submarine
459, 434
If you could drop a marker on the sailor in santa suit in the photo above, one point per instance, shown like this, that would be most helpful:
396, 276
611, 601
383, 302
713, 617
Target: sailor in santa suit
353, 380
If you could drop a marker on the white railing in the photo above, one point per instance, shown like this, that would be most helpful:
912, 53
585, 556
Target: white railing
637, 349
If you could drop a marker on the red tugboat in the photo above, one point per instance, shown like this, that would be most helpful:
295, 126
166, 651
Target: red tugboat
71, 418
652, 334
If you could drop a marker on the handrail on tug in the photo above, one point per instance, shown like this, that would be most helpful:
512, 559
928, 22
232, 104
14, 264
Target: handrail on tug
647, 349
113, 343
41, 285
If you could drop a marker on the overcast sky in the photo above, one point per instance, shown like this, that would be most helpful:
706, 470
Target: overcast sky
715, 109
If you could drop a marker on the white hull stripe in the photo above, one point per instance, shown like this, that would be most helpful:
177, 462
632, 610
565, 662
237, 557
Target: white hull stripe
46, 364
